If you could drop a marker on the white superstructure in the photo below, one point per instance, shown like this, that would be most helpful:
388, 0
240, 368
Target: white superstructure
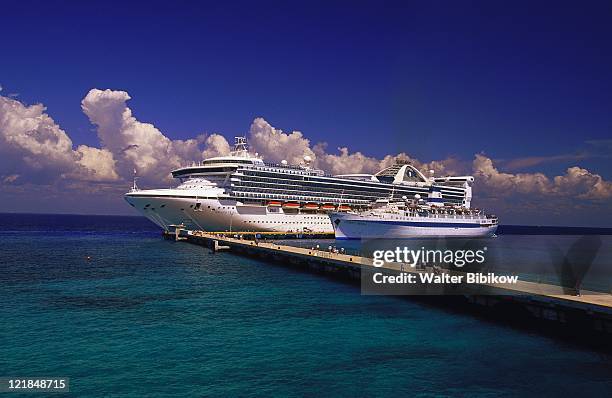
241, 192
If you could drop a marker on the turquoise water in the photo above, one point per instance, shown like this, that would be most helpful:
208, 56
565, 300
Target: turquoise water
149, 317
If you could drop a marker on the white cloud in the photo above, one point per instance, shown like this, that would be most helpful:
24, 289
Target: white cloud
348, 163
216, 145
134, 144
35, 148
100, 162
503, 183
586, 184
345, 162
575, 183
275, 145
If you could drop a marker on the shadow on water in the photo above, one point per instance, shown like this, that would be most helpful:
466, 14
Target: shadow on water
572, 267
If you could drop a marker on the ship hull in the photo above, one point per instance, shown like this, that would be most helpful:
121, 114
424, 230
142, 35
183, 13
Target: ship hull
351, 226
220, 215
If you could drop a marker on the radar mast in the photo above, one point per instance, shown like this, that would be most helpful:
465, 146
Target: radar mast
241, 148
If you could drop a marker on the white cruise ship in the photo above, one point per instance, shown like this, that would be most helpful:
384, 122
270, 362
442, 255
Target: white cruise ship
413, 219
241, 192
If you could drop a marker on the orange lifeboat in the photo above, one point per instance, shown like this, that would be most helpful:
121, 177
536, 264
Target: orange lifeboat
291, 205
344, 208
274, 203
328, 206
311, 206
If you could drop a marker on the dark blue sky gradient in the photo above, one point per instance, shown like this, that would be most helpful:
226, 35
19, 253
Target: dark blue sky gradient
429, 78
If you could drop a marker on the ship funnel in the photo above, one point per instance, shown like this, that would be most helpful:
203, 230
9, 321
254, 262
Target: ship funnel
434, 198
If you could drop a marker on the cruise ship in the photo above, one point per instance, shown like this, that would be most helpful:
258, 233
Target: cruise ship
241, 192
416, 218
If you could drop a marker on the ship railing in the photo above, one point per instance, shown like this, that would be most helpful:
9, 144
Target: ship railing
291, 195
283, 166
456, 216
299, 198
325, 252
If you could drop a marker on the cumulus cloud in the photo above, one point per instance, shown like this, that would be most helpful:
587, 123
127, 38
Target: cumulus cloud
135, 144
450, 166
215, 145
34, 148
575, 183
99, 162
275, 145
585, 183
345, 162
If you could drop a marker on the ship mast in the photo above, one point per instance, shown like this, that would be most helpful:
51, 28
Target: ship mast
134, 186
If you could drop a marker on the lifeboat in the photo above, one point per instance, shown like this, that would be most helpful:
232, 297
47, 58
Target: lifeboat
311, 206
328, 207
274, 203
291, 205
344, 208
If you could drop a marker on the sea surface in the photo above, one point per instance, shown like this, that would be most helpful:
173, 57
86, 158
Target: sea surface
122, 312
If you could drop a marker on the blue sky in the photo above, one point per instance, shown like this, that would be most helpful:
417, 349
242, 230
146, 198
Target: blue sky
432, 79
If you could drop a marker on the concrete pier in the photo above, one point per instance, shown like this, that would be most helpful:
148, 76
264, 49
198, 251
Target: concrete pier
275, 235
590, 312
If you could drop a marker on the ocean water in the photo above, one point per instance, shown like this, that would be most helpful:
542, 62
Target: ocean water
108, 303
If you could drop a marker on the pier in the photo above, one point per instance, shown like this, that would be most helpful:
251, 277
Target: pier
555, 307
275, 235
